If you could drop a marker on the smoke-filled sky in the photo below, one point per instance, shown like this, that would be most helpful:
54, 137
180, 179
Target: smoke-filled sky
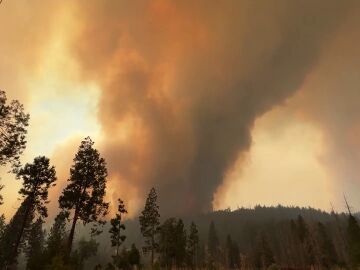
214, 104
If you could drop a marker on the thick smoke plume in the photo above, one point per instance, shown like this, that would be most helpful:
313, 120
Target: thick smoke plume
331, 101
184, 81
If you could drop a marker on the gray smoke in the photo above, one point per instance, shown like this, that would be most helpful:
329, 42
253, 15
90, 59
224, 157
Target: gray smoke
188, 79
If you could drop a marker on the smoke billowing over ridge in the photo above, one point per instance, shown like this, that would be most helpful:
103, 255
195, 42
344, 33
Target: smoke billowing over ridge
183, 83
170, 90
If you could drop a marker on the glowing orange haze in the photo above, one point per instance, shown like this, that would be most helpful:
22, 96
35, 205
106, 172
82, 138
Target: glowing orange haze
155, 83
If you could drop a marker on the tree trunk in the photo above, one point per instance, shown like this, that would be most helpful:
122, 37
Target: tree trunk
72, 233
18, 240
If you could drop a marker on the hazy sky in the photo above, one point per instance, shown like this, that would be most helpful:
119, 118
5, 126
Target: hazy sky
215, 104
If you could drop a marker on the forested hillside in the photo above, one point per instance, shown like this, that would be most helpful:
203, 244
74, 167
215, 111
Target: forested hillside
278, 227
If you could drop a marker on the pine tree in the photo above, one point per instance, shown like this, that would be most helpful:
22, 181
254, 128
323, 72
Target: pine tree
13, 129
85, 191
180, 241
353, 239
229, 259
193, 245
35, 246
134, 256
12, 232
117, 238
264, 256
149, 223
232, 253
306, 241
86, 249
328, 257
213, 246
37, 178
167, 243
55, 243
235, 255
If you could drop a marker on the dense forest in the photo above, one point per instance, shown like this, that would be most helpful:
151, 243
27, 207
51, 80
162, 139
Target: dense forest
84, 236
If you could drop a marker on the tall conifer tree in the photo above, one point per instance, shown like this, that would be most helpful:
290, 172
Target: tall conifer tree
149, 224
55, 243
35, 246
37, 178
117, 225
85, 191
12, 232
180, 241
213, 246
13, 129
193, 245
353, 239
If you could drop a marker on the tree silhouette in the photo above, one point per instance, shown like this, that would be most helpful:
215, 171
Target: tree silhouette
37, 178
263, 256
213, 246
353, 239
13, 129
2, 226
1, 197
232, 253
167, 243
134, 256
180, 241
13, 231
149, 224
55, 243
35, 246
328, 256
86, 189
116, 227
86, 249
193, 244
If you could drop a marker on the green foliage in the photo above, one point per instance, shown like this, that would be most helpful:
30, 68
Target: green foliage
110, 266
301, 230
172, 244
13, 129
134, 256
180, 240
233, 253
149, 224
55, 244
213, 247
16, 229
126, 259
35, 246
263, 255
328, 256
58, 263
117, 226
85, 191
86, 249
353, 238
192, 245
273, 267
37, 179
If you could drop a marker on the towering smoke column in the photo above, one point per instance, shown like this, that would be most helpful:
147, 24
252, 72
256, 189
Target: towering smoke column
183, 81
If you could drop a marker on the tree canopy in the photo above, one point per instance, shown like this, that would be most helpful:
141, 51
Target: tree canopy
85, 192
